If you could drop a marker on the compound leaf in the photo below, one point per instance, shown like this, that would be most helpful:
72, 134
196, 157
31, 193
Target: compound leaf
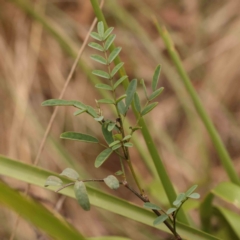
114, 54
99, 59
155, 94
53, 181
103, 86
109, 41
96, 46
130, 92
119, 81
96, 36
107, 134
101, 73
107, 33
156, 77
116, 68
149, 108
160, 219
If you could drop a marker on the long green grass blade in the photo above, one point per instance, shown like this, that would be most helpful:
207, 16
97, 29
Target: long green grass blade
37, 176
34, 212
217, 141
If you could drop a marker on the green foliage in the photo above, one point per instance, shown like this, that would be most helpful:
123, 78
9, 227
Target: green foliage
79, 137
53, 181
112, 182
82, 195
70, 173
102, 157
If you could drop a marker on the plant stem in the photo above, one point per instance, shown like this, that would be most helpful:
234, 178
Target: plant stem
217, 141
162, 173
145, 199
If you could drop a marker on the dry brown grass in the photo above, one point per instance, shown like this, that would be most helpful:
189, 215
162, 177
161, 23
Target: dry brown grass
33, 68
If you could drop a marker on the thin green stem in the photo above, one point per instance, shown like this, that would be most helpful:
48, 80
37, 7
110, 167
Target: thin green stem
217, 141
162, 173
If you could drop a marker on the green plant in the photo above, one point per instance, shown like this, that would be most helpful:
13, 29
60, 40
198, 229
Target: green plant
116, 134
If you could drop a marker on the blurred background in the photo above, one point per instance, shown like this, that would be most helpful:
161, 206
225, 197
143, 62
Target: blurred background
39, 41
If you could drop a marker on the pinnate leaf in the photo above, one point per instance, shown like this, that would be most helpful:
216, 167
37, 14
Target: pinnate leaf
70, 173
149, 108
103, 86
99, 59
160, 219
130, 93
171, 210
119, 81
102, 157
78, 112
121, 98
79, 137
101, 73
121, 107
100, 28
151, 206
114, 54
109, 41
179, 199
114, 143
116, 68
106, 101
155, 93
190, 190
156, 77
96, 36
115, 147
128, 144
107, 33
91, 111
137, 102
96, 46
53, 181
111, 126
112, 182
107, 134
144, 87
82, 195
194, 195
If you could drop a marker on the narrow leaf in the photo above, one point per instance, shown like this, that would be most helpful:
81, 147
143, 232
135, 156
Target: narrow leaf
78, 112
118, 136
53, 181
149, 108
144, 87
114, 54
194, 195
96, 36
96, 46
112, 182
79, 137
91, 111
118, 173
99, 59
121, 107
107, 33
155, 93
119, 81
114, 143
156, 77
57, 102
190, 190
160, 219
107, 134
102, 157
115, 147
103, 86
136, 102
79, 105
121, 98
179, 199
151, 206
99, 119
116, 68
128, 144
101, 73
106, 101
109, 42
100, 28
111, 126
130, 93
171, 210
82, 195
127, 137
70, 173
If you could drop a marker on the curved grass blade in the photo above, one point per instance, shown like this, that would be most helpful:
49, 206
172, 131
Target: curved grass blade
53, 224
37, 176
